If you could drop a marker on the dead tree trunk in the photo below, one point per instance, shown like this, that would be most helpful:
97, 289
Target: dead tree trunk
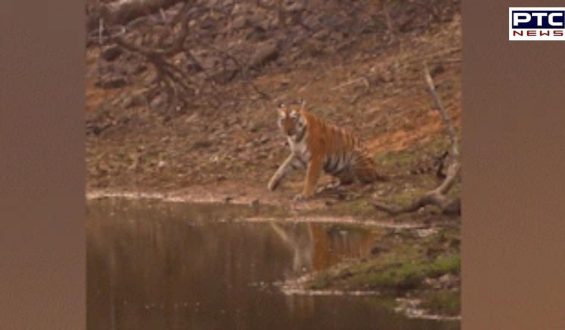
437, 196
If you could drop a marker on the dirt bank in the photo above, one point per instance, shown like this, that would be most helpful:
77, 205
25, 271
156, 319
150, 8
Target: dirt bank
374, 86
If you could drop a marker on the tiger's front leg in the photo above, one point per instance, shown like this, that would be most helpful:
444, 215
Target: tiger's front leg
286, 167
312, 176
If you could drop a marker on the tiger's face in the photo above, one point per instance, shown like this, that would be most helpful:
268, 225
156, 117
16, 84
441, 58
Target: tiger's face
291, 122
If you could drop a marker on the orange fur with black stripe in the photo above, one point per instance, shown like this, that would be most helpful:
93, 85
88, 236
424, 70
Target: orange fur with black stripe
319, 146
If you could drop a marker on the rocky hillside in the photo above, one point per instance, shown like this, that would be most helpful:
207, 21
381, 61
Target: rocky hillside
185, 95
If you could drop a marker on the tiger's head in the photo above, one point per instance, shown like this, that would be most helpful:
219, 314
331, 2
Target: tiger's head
291, 121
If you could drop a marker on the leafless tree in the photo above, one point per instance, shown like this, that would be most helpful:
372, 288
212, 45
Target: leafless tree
437, 196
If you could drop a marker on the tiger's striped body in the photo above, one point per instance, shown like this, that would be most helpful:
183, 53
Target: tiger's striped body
317, 145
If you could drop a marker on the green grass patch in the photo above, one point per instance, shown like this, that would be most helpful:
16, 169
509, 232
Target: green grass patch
407, 275
442, 302
389, 273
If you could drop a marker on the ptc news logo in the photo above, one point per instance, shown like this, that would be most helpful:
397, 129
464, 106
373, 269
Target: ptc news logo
537, 23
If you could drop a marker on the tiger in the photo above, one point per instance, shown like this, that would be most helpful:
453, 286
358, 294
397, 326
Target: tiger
317, 145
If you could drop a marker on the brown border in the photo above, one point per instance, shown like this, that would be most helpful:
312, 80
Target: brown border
42, 257
514, 162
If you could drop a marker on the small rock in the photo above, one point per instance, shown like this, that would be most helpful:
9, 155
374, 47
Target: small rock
264, 140
423, 233
378, 249
136, 68
239, 23
437, 69
448, 280
134, 101
264, 52
157, 102
111, 82
111, 53
321, 35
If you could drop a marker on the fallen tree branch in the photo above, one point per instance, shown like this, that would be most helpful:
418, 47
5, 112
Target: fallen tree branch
175, 82
438, 195
163, 41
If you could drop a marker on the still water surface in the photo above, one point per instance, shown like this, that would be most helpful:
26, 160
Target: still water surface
171, 266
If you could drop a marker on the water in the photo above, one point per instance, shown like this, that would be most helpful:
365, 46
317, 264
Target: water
152, 266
